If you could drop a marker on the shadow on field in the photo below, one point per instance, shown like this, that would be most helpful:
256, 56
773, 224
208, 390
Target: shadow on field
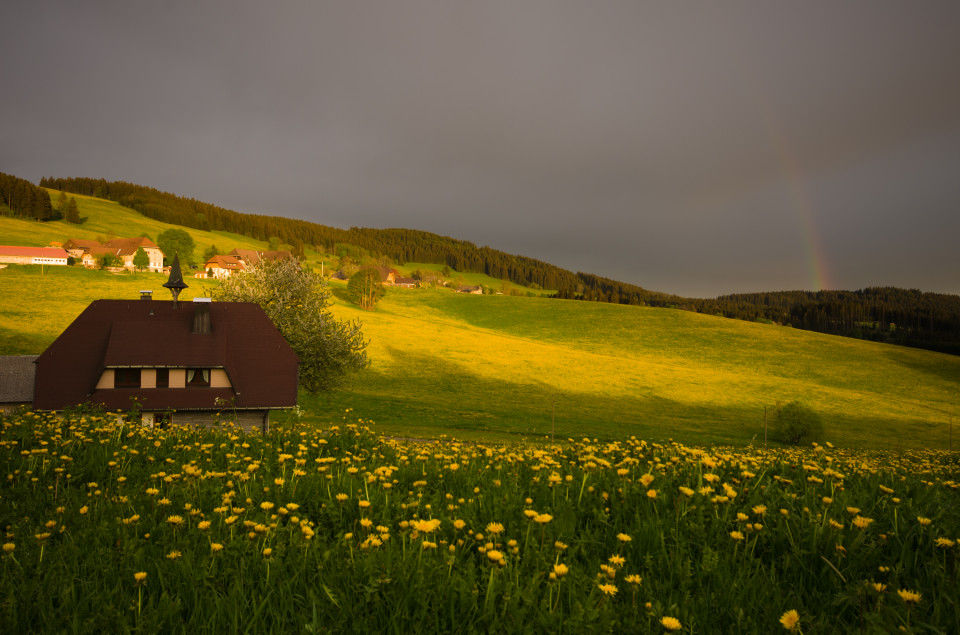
434, 393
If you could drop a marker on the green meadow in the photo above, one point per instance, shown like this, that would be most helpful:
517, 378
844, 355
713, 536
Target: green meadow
500, 367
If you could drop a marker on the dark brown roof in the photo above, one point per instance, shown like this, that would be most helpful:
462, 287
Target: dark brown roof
114, 333
16, 378
252, 257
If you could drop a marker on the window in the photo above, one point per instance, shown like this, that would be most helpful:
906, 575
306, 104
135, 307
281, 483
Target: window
163, 378
126, 378
198, 377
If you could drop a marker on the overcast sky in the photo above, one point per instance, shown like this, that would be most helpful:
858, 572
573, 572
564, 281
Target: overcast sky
692, 148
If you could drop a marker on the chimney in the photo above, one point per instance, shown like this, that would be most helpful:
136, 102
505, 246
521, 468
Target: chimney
146, 294
201, 316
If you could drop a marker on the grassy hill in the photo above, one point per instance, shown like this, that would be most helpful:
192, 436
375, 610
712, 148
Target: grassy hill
502, 366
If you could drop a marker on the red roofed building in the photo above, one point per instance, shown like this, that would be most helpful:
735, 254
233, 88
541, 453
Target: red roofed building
32, 255
184, 363
123, 248
223, 266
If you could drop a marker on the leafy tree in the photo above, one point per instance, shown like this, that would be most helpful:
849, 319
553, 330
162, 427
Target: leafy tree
176, 241
140, 259
211, 251
796, 424
62, 202
297, 302
274, 243
365, 288
109, 260
70, 211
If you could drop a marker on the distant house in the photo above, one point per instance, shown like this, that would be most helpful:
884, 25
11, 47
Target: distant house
408, 283
183, 363
14, 255
473, 290
123, 248
222, 266
387, 275
252, 257
16, 381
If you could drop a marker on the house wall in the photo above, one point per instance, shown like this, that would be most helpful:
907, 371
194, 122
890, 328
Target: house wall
106, 380
178, 378
219, 379
249, 420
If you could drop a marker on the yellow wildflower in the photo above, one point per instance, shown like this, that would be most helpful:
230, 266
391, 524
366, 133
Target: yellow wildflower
139, 577
790, 620
670, 623
908, 596
608, 589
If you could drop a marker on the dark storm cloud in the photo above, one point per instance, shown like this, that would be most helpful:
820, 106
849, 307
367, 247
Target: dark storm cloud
695, 149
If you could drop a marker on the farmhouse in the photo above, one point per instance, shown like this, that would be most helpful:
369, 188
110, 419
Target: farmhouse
252, 257
407, 283
182, 363
32, 255
123, 248
223, 266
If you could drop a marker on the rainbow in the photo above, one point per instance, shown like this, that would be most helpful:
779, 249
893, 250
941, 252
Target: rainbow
812, 245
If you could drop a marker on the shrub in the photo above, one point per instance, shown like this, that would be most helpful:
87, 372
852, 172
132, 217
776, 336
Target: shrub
796, 424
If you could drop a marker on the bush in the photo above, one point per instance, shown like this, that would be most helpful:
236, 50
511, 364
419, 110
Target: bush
796, 424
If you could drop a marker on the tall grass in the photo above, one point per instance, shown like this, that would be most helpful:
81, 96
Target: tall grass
113, 527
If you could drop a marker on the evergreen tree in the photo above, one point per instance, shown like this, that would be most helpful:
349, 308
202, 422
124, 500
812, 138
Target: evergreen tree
141, 260
70, 211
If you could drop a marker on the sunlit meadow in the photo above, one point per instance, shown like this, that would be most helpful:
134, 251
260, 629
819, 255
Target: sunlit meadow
110, 526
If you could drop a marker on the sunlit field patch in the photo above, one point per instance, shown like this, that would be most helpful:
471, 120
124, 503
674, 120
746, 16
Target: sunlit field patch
109, 526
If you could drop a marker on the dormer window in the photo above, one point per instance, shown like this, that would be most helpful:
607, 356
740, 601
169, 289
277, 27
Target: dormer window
198, 377
126, 378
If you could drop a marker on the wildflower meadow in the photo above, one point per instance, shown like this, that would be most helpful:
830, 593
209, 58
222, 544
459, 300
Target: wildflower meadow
110, 526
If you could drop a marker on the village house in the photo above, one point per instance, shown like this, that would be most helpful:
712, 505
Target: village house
222, 266
471, 289
123, 248
407, 283
252, 257
190, 363
14, 255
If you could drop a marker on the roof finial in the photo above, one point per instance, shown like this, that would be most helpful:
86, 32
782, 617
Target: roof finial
175, 283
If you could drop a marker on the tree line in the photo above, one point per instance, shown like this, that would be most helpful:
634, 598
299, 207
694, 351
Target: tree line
23, 199
899, 316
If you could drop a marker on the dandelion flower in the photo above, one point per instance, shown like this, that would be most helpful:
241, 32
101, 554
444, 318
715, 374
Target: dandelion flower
624, 538
342, 497
879, 587
760, 510
651, 494
494, 555
560, 569
494, 528
266, 506
543, 519
908, 596
790, 620
634, 579
173, 555
670, 623
923, 521
608, 589
203, 525
945, 543
139, 577
736, 535
267, 552
861, 523
216, 547
459, 524
617, 561
8, 547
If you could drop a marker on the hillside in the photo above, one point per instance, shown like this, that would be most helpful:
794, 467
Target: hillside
500, 366
899, 316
